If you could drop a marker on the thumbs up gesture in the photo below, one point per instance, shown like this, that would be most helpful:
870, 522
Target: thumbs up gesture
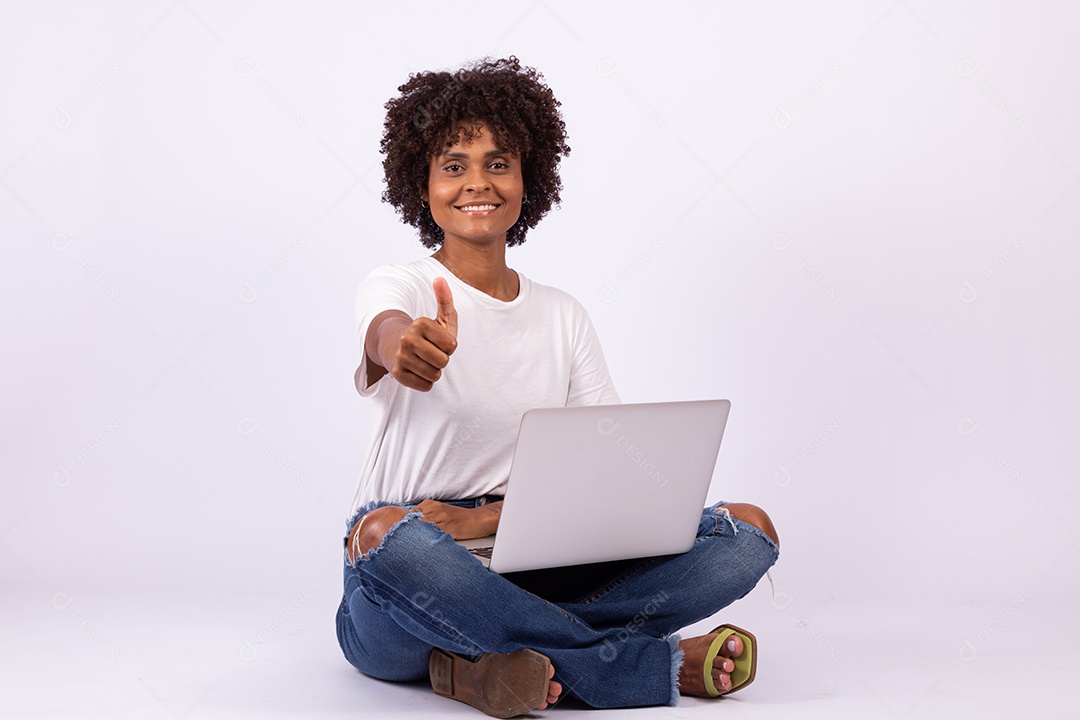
447, 315
426, 345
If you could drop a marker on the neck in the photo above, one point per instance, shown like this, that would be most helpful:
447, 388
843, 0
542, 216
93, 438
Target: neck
481, 266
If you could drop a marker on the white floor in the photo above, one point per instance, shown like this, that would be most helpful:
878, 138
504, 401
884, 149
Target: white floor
115, 655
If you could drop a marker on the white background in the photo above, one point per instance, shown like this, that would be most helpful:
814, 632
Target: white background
856, 220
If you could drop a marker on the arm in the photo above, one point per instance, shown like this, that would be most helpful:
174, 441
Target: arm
414, 352
462, 523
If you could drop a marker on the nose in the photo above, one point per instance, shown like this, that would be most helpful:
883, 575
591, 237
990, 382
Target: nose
476, 181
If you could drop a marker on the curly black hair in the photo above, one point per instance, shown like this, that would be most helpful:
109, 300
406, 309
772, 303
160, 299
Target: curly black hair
435, 109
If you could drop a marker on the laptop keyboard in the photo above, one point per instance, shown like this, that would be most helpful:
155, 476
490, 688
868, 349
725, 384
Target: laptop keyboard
484, 552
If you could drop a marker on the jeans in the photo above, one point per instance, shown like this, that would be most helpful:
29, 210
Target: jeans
608, 628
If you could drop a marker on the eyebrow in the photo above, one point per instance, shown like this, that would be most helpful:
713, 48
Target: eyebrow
465, 156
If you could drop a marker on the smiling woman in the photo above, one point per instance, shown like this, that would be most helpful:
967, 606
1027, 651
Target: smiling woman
436, 110
475, 189
455, 348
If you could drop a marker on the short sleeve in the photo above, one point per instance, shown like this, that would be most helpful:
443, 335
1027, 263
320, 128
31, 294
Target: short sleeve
590, 380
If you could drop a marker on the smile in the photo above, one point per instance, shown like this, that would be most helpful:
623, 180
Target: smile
485, 208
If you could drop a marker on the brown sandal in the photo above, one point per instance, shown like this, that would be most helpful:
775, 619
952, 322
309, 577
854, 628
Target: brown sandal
501, 686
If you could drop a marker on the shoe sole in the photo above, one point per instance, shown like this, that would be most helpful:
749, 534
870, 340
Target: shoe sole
498, 685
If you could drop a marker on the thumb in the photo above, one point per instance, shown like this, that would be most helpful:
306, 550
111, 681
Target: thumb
447, 315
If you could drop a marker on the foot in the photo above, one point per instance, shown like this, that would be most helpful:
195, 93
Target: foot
691, 681
554, 690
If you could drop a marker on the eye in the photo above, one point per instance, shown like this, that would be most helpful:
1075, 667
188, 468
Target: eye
452, 167
500, 165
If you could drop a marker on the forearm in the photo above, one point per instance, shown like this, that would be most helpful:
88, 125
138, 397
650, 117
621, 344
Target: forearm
380, 344
388, 338
489, 517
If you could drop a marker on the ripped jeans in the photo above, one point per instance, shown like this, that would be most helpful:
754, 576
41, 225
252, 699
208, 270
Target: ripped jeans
608, 628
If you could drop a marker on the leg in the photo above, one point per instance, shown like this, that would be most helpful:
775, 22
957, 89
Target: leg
690, 679
367, 534
658, 596
370, 639
373, 643
441, 596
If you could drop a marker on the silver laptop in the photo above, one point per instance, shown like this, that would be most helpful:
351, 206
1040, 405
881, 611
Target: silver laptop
606, 482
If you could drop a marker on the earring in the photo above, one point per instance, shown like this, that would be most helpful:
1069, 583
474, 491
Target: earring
524, 199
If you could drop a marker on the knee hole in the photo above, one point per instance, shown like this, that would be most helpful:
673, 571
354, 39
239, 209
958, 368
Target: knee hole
757, 517
372, 528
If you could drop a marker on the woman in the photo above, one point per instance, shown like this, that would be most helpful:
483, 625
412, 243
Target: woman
456, 347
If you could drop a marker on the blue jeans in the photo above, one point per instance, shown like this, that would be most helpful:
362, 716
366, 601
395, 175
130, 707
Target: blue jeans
608, 628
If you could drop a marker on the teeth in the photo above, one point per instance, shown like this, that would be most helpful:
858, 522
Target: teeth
477, 208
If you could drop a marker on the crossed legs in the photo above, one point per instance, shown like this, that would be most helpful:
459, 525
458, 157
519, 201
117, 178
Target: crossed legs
368, 534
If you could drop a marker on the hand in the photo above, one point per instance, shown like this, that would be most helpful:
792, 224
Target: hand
461, 523
425, 346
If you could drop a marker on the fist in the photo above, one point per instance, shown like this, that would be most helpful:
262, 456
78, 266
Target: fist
425, 347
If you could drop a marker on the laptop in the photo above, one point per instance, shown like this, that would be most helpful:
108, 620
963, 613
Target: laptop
605, 482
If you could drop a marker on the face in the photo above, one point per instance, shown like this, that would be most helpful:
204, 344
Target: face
475, 190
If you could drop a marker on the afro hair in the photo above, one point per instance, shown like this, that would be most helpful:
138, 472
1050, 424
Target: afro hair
436, 109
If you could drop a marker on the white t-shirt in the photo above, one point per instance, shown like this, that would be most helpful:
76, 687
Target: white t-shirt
457, 440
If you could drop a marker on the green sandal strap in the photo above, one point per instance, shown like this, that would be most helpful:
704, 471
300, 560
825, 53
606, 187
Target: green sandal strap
744, 664
714, 650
